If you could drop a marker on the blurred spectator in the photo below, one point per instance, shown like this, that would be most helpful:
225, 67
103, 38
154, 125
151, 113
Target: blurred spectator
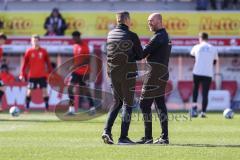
1, 24
213, 4
224, 4
5, 75
233, 3
202, 4
55, 24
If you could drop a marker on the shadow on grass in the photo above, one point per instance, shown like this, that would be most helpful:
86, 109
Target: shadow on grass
207, 145
30, 120
48, 121
184, 145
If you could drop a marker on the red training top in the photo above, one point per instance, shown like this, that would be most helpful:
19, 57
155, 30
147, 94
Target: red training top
6, 77
36, 61
81, 53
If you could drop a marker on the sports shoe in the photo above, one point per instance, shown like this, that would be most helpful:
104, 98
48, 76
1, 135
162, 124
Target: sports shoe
107, 138
203, 115
70, 114
125, 141
161, 141
145, 140
193, 112
92, 111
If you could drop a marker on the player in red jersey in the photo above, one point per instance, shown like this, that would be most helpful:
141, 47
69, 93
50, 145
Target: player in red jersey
80, 54
3, 39
5, 75
36, 67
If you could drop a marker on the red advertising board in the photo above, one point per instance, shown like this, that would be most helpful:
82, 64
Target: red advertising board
15, 94
99, 41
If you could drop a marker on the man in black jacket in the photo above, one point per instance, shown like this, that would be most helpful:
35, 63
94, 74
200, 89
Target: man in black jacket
157, 52
123, 49
55, 24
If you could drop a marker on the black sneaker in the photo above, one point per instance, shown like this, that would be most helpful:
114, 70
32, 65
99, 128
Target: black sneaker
193, 112
161, 141
145, 140
107, 138
125, 141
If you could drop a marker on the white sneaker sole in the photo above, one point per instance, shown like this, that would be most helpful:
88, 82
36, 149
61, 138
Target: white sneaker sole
107, 139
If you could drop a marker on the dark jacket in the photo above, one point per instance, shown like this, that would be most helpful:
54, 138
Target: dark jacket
159, 48
123, 46
158, 51
58, 25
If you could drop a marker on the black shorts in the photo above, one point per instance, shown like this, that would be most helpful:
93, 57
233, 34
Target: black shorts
77, 79
1, 83
35, 83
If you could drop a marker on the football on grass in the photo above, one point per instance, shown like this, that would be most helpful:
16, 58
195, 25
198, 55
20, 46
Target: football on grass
14, 111
228, 113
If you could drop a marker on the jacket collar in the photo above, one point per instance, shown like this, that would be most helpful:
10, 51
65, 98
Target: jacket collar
160, 30
122, 26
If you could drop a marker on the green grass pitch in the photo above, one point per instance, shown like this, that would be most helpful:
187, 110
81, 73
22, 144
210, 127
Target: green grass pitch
42, 136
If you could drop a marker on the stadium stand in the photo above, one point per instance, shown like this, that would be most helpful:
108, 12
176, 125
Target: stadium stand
118, 4
91, 4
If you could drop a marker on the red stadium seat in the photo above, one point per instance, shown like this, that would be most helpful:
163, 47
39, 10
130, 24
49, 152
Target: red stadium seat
185, 89
213, 85
231, 86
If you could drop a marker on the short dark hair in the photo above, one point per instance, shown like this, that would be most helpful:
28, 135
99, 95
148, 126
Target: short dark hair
76, 34
3, 36
203, 35
122, 16
55, 10
4, 66
36, 36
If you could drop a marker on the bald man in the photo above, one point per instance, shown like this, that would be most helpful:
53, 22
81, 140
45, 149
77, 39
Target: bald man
157, 52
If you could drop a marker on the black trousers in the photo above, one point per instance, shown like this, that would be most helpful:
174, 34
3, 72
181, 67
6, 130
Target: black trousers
148, 96
77, 79
205, 82
123, 91
161, 109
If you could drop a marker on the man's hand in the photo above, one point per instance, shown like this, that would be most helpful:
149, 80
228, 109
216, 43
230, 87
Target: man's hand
21, 78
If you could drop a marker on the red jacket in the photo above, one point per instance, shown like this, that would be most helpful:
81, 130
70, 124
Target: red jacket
37, 62
6, 77
81, 53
